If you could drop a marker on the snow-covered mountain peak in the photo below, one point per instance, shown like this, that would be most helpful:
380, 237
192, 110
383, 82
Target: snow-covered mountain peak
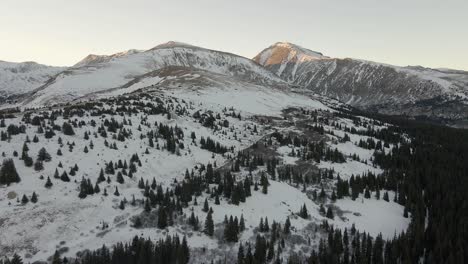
285, 52
299, 49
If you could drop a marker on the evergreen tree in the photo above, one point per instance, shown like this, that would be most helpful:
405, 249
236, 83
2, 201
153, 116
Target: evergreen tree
15, 260
330, 213
56, 258
120, 178
209, 225
8, 173
206, 208
101, 177
264, 182
385, 197
242, 223
303, 212
34, 198
64, 177
25, 199
96, 188
48, 183
43, 155
38, 165
240, 254
162, 217
287, 226
67, 129
193, 221
260, 249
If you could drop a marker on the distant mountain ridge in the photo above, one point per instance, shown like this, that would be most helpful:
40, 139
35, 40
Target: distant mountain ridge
96, 74
414, 91
436, 94
18, 78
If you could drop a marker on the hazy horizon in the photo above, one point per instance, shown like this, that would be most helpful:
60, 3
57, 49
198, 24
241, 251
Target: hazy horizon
53, 32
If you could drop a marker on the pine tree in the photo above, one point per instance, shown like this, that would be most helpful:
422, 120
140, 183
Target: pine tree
193, 221
34, 198
15, 260
43, 155
264, 182
260, 225
137, 222
8, 173
147, 206
28, 161
242, 223
153, 184
56, 258
120, 178
67, 129
287, 226
48, 183
83, 189
101, 177
206, 208
209, 225
240, 254
260, 249
385, 197
405, 212
330, 213
38, 165
271, 251
64, 177
25, 199
367, 194
162, 217
96, 188
303, 212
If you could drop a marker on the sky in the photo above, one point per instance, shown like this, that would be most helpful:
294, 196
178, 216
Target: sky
411, 32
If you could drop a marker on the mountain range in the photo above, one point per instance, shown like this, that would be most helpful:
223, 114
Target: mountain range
439, 95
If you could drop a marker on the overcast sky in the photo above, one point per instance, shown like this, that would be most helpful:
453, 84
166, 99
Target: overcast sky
410, 32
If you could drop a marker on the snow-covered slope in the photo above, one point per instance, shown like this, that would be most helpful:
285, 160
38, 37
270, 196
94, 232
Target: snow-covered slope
99, 73
414, 91
20, 78
246, 117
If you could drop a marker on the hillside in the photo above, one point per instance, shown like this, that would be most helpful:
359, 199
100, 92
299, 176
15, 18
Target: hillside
161, 134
